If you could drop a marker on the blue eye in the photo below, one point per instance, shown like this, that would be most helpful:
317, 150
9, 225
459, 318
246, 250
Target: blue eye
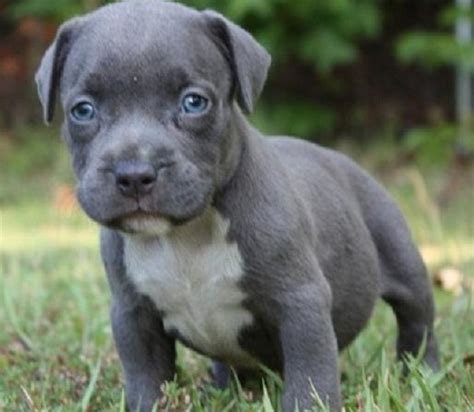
83, 112
194, 103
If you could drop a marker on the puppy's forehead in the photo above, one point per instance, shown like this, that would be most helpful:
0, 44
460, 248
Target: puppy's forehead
145, 41
140, 25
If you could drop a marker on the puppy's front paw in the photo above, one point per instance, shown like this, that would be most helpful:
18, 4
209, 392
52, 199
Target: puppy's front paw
221, 375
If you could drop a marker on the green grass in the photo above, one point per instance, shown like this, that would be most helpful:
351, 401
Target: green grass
56, 349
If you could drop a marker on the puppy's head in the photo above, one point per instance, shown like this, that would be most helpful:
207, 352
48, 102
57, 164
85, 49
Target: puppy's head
149, 91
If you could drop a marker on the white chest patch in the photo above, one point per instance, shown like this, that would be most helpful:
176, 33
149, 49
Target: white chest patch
192, 274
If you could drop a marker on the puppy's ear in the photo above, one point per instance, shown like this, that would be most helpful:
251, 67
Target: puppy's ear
248, 60
49, 72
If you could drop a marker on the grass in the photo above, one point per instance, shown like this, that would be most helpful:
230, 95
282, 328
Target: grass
57, 354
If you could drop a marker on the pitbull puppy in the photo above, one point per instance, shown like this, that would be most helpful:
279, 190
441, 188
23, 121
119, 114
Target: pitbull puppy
247, 249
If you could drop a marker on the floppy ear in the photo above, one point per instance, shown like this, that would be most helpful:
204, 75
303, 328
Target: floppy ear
49, 73
248, 60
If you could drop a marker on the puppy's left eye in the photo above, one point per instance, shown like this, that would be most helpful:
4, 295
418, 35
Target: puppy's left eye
194, 103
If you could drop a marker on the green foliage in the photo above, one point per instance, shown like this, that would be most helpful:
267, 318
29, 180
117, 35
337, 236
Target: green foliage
58, 10
33, 153
433, 146
438, 48
34, 150
435, 49
296, 118
322, 33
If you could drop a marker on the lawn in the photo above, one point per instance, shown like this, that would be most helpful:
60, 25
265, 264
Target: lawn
56, 349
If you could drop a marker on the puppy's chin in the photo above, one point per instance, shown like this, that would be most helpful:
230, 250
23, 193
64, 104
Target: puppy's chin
143, 224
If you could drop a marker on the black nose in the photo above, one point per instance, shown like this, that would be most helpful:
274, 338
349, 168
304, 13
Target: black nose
134, 178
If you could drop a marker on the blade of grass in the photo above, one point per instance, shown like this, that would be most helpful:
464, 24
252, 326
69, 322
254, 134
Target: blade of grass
267, 404
122, 406
427, 392
91, 386
13, 320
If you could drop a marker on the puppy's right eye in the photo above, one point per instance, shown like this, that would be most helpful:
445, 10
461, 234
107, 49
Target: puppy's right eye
194, 103
83, 112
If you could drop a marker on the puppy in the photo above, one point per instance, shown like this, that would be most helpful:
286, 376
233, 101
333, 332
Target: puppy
247, 249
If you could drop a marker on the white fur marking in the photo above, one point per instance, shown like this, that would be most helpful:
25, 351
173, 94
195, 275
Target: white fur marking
191, 273
147, 225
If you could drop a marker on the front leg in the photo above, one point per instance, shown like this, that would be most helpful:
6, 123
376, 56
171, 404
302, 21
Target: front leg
147, 354
310, 354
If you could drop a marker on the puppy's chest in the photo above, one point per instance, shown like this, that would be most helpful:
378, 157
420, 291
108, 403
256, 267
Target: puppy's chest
192, 277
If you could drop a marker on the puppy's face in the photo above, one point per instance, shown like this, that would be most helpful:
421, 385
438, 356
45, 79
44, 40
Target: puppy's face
148, 92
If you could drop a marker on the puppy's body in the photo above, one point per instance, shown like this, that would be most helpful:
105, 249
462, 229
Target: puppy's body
246, 249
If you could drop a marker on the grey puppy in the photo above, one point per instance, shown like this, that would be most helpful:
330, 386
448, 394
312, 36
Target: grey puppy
247, 249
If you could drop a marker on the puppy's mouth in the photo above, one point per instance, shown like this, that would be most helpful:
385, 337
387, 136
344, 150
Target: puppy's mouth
141, 222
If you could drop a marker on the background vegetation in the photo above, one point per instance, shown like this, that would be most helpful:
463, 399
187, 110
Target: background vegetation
372, 78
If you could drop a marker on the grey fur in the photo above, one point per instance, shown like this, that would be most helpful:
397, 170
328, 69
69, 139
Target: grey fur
319, 238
